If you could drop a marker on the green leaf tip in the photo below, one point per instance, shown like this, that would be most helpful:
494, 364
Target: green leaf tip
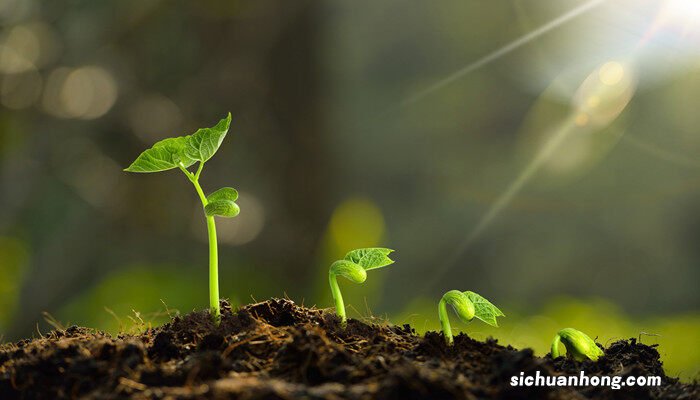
370, 258
579, 346
204, 143
182, 151
484, 309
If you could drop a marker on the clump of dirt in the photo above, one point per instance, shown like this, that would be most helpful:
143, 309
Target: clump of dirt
279, 350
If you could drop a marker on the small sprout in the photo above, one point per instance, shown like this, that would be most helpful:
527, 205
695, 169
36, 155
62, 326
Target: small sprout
578, 345
183, 152
467, 305
354, 267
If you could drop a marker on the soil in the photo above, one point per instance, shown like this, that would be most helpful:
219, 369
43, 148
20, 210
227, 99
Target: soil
279, 350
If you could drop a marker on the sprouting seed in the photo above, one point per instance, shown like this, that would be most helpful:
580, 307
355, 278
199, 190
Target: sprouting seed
354, 266
578, 345
466, 305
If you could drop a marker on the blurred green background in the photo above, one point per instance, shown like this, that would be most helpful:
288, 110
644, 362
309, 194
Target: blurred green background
540, 153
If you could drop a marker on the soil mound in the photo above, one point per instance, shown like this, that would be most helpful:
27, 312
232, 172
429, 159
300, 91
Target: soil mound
279, 350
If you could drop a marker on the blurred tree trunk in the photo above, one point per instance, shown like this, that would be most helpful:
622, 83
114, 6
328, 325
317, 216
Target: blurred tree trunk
305, 182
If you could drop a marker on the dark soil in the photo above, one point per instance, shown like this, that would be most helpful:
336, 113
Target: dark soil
278, 350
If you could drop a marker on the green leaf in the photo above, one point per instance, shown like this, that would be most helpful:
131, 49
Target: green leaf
370, 258
202, 144
164, 155
222, 208
484, 310
225, 193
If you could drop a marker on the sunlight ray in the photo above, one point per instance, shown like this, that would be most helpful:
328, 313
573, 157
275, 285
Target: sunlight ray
498, 53
544, 154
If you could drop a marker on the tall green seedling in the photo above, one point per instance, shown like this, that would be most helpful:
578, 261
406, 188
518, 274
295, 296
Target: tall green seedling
354, 266
184, 152
466, 305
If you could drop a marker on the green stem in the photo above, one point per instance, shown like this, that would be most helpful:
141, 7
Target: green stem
555, 346
199, 171
445, 321
337, 297
213, 271
214, 307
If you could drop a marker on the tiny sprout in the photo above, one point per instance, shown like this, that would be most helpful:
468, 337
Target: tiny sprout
467, 305
182, 152
354, 267
578, 345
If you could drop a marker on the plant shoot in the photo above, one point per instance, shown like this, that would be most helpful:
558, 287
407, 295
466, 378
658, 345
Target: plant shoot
578, 345
354, 267
466, 305
183, 152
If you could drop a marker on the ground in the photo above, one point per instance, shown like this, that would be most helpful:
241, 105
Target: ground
279, 350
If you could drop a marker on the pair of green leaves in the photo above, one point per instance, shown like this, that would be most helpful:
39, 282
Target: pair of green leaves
182, 151
221, 203
468, 305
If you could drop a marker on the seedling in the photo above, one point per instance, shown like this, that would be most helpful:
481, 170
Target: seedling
467, 305
183, 152
578, 345
354, 267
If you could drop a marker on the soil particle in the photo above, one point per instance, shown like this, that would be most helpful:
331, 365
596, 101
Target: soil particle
279, 350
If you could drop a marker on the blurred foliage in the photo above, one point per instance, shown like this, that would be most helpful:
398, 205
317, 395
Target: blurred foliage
151, 291
13, 262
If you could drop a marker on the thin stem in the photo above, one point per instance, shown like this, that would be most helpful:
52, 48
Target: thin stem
187, 173
445, 321
199, 171
214, 307
200, 192
337, 297
213, 271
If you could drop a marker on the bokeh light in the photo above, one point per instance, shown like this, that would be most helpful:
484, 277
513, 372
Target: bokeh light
154, 116
88, 92
605, 93
356, 223
83, 93
20, 90
245, 227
